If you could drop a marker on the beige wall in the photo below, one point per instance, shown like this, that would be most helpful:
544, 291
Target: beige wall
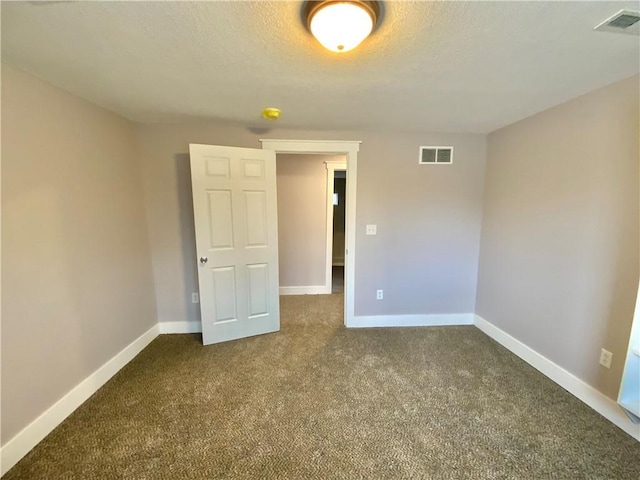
559, 255
76, 269
302, 219
425, 255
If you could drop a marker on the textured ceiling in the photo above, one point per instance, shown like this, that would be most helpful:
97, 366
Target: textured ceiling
430, 66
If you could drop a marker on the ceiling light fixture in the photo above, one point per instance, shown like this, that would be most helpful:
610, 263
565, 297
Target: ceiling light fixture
341, 26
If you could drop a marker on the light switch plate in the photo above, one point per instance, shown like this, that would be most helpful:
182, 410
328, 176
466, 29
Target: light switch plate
372, 229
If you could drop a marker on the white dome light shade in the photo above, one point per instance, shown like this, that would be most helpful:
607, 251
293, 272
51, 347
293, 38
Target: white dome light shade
341, 26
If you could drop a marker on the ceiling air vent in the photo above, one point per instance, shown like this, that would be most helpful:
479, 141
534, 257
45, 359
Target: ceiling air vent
435, 155
625, 21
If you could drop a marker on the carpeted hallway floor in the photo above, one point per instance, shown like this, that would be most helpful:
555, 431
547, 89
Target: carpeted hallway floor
317, 401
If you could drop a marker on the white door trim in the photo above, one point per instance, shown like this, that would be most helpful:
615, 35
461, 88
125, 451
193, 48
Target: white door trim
332, 166
350, 150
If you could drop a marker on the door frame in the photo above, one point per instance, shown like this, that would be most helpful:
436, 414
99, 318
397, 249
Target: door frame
332, 167
350, 150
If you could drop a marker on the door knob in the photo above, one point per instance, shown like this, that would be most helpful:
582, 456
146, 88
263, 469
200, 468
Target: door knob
203, 260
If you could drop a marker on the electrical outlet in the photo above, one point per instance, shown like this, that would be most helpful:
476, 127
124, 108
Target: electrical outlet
195, 298
379, 294
372, 230
605, 358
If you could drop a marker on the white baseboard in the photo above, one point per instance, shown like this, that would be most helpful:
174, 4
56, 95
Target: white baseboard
606, 407
364, 321
180, 327
32, 434
306, 290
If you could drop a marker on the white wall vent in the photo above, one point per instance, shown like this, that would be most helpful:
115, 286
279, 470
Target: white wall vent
625, 21
435, 156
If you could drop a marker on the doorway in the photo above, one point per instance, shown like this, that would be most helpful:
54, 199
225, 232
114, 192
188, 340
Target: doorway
350, 151
336, 224
305, 193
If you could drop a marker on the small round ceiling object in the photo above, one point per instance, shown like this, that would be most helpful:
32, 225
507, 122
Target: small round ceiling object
341, 25
271, 113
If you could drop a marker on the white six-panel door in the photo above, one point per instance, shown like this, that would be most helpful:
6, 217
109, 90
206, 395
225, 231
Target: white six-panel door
236, 227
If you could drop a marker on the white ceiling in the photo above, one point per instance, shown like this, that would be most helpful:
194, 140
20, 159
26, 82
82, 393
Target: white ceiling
430, 66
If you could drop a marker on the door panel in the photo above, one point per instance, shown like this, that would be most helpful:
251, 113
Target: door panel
220, 219
256, 219
253, 169
236, 226
259, 290
224, 294
218, 167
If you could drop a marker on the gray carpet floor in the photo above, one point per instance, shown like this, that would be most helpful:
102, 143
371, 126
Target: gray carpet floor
337, 279
318, 401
